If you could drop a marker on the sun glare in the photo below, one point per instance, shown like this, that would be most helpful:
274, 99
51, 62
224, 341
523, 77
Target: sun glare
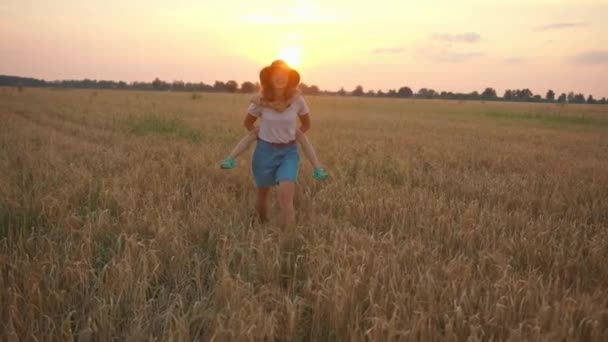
291, 54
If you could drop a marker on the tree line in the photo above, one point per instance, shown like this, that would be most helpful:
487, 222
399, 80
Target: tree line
488, 94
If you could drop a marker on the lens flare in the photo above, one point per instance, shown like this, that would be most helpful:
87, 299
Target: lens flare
291, 54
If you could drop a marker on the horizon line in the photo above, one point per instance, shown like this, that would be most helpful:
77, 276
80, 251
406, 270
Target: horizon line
239, 85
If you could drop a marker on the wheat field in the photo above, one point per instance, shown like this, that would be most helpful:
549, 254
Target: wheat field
442, 220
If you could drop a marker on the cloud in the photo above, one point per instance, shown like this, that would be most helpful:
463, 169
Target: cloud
468, 37
514, 61
591, 58
561, 26
455, 57
447, 55
390, 50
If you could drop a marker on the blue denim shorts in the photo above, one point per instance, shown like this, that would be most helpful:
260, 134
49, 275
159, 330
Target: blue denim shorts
272, 164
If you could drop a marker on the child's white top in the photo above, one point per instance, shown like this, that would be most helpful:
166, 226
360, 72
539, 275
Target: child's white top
279, 127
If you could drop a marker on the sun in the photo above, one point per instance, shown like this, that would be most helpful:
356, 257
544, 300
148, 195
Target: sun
291, 54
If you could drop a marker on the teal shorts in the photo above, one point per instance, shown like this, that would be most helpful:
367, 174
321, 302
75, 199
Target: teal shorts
271, 164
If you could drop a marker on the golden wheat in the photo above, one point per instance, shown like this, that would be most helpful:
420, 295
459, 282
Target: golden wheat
443, 220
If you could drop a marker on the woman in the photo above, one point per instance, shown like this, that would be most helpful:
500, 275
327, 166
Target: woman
276, 159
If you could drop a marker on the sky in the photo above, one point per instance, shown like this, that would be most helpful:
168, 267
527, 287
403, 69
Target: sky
448, 45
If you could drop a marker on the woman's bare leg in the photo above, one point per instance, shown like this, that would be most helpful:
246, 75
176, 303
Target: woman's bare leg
309, 151
262, 202
285, 194
244, 144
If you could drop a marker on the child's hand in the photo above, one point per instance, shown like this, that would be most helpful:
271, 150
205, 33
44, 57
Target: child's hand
254, 131
299, 134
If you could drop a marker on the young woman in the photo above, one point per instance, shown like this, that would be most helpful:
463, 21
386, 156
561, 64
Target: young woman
276, 159
266, 100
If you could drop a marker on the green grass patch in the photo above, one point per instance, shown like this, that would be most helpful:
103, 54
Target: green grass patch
167, 127
550, 119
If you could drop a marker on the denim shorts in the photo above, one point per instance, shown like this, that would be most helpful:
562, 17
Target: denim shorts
272, 164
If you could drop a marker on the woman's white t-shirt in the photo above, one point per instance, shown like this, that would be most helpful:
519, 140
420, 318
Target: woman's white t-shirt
279, 127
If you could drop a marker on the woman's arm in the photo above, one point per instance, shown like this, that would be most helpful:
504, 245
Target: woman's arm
305, 120
309, 150
249, 121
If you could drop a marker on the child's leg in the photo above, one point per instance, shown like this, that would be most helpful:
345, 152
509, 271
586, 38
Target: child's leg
244, 144
309, 151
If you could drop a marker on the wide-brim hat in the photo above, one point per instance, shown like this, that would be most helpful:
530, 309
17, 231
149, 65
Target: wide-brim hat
266, 73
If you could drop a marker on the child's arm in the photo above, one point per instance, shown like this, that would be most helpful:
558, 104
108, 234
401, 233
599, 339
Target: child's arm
309, 151
245, 142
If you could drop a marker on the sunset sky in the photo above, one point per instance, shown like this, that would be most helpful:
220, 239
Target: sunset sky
383, 44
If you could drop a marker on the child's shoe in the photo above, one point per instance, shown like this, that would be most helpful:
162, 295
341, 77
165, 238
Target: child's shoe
319, 173
228, 163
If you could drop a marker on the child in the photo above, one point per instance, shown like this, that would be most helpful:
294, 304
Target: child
229, 162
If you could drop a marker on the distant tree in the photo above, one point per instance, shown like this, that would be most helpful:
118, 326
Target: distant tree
508, 96
405, 92
86, 83
380, 93
603, 101
579, 98
571, 97
524, 94
489, 93
313, 90
392, 93
474, 95
219, 86
103, 84
178, 86
248, 87
201, 86
15, 81
303, 87
425, 93
341, 92
562, 98
358, 91
142, 85
550, 95
537, 98
370, 93
232, 86
591, 100
159, 85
